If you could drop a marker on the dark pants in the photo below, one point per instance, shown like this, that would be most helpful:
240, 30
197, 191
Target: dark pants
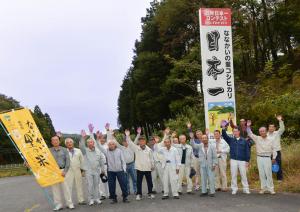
122, 179
140, 175
278, 160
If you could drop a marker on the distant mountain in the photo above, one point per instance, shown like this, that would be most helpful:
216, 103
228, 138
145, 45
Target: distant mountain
216, 108
228, 109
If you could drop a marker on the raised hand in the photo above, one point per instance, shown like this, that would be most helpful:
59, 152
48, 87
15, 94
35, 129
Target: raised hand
99, 134
139, 130
223, 124
207, 132
249, 123
59, 134
91, 128
127, 132
167, 131
189, 125
83, 133
174, 134
279, 117
191, 134
107, 126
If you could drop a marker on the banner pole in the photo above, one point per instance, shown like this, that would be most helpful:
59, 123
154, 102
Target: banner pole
48, 197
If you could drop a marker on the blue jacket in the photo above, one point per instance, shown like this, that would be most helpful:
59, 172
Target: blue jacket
239, 149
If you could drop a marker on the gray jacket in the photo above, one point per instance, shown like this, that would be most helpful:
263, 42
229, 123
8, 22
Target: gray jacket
94, 160
211, 159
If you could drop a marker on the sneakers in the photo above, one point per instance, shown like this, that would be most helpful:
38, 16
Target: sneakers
82, 203
102, 197
262, 191
246, 192
71, 206
58, 207
203, 194
165, 197
233, 192
98, 201
151, 196
176, 197
212, 195
114, 201
138, 197
91, 202
197, 187
272, 192
125, 200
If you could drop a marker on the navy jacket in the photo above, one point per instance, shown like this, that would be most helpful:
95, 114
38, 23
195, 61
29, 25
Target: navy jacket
239, 149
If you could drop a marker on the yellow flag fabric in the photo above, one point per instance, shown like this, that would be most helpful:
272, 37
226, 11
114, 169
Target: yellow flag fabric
24, 132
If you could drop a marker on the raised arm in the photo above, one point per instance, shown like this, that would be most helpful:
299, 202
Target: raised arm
131, 145
281, 125
82, 145
138, 134
192, 142
224, 133
97, 145
250, 133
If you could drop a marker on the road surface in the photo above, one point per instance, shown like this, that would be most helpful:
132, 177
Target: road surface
23, 194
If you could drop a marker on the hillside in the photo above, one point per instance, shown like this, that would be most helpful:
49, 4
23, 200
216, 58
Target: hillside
160, 87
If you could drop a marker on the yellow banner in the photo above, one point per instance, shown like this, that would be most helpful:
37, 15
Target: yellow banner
23, 130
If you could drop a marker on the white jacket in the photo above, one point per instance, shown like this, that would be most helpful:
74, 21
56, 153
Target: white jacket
76, 160
189, 153
143, 157
223, 147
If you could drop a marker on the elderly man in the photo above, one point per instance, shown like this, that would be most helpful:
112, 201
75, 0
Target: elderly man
94, 164
264, 150
239, 158
129, 159
62, 158
103, 186
170, 165
222, 149
76, 169
208, 162
276, 137
144, 164
186, 157
157, 173
116, 170
196, 162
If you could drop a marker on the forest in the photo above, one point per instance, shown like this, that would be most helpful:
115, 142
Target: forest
8, 153
160, 86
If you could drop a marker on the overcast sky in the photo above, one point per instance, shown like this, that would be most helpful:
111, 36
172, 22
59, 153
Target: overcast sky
68, 56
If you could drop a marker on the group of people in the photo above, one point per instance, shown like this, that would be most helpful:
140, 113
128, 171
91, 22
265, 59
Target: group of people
167, 164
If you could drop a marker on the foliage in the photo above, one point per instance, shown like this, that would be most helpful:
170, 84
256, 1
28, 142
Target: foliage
161, 83
8, 153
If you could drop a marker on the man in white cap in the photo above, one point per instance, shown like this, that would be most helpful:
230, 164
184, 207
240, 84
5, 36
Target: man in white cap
144, 164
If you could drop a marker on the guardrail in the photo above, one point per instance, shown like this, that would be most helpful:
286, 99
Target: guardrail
12, 166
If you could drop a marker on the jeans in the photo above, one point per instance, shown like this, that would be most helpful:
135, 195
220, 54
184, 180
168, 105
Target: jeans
122, 178
278, 160
131, 174
140, 176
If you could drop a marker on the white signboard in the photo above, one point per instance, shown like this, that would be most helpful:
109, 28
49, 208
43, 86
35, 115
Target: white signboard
217, 66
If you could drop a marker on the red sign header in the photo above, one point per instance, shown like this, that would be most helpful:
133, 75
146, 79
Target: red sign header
215, 16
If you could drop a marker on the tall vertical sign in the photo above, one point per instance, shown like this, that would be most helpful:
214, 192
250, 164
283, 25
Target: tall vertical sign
217, 66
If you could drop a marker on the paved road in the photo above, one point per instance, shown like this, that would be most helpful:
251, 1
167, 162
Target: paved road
23, 194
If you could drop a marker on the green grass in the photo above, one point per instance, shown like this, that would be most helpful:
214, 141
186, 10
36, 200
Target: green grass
14, 171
